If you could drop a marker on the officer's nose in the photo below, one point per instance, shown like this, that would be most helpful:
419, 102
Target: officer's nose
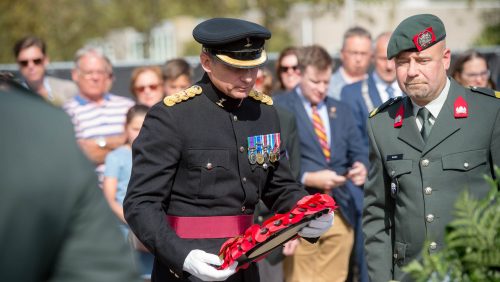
412, 68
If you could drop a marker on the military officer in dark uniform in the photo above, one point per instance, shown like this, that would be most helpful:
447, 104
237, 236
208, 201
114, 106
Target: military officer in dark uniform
425, 150
204, 158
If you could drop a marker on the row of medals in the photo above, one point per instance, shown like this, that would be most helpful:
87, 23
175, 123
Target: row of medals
183, 95
261, 97
261, 158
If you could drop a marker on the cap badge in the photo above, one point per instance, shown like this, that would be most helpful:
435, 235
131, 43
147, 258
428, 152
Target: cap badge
424, 38
249, 44
398, 121
461, 108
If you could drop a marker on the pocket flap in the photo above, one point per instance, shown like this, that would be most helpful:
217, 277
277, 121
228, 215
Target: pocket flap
208, 158
399, 167
465, 161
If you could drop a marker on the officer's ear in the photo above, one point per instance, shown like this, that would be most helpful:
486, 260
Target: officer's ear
206, 61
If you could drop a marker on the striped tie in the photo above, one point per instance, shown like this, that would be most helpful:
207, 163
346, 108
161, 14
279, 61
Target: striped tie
319, 129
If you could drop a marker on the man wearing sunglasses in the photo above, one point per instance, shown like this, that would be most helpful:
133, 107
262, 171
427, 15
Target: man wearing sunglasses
31, 57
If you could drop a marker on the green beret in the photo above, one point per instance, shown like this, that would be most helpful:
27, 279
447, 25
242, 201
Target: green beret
415, 34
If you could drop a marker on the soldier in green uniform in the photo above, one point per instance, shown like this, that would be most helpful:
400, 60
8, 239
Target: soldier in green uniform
54, 222
425, 149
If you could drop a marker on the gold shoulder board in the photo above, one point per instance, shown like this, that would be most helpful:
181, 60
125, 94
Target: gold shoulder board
183, 95
263, 98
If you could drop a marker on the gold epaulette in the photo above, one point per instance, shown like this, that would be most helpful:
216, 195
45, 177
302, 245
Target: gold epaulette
385, 105
182, 95
263, 98
486, 91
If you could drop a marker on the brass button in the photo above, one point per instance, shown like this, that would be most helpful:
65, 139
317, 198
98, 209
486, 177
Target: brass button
428, 190
243, 208
235, 118
433, 245
264, 166
466, 165
244, 179
425, 162
242, 149
209, 166
430, 218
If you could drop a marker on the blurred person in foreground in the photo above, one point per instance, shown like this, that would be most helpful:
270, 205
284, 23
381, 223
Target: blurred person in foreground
355, 55
471, 69
287, 70
196, 177
333, 160
425, 150
177, 75
55, 223
97, 115
146, 84
32, 59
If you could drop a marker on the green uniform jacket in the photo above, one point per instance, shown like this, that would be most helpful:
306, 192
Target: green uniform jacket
54, 222
427, 178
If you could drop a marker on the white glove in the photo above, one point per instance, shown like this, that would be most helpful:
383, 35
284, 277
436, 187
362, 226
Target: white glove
202, 265
318, 226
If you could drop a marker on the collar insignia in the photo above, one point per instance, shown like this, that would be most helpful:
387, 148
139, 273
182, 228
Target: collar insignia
398, 121
461, 109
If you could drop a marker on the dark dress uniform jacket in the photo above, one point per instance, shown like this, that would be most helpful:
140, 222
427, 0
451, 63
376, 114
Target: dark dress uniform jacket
171, 175
458, 153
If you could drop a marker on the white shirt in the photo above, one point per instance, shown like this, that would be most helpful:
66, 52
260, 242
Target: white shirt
434, 106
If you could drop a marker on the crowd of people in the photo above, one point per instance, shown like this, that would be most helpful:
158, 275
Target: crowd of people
360, 132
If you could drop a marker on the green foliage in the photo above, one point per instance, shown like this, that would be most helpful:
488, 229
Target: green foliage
472, 251
491, 33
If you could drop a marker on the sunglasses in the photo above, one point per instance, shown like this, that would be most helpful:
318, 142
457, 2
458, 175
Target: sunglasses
153, 87
25, 63
285, 69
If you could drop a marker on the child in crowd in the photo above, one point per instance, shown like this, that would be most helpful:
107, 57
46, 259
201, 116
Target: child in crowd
117, 175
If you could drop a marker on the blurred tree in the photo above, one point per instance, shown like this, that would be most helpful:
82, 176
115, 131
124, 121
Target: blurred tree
491, 33
62, 24
67, 24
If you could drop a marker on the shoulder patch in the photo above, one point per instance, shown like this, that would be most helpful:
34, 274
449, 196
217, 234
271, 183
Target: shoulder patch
385, 105
263, 98
485, 91
183, 95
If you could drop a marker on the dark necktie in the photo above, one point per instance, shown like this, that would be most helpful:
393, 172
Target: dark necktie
424, 116
390, 91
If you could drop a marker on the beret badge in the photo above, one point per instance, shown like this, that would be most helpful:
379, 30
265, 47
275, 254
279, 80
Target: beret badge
424, 38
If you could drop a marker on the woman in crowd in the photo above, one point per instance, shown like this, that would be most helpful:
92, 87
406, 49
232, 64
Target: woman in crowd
146, 85
471, 69
287, 69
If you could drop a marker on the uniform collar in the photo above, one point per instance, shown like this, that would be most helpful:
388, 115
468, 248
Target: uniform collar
435, 105
217, 96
